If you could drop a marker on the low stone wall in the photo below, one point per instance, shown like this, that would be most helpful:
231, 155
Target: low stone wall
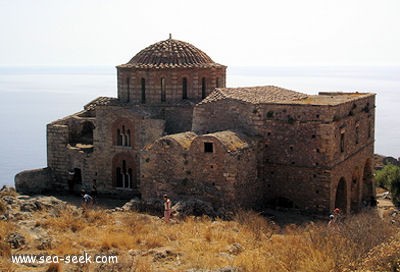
34, 181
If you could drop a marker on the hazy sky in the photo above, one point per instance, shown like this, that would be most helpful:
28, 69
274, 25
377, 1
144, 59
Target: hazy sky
234, 33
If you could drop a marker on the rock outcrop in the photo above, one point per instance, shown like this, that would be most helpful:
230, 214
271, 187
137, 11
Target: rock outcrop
35, 181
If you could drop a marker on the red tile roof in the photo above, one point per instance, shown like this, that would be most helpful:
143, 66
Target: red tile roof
255, 95
170, 54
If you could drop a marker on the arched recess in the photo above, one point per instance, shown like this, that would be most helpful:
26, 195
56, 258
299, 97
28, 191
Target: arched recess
124, 172
87, 133
355, 190
82, 133
368, 188
341, 195
123, 132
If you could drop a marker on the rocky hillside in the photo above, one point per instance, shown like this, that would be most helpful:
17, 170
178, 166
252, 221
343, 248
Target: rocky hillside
47, 226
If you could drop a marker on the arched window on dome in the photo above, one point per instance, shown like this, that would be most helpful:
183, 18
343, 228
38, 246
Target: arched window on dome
218, 82
143, 96
163, 91
184, 88
203, 88
128, 96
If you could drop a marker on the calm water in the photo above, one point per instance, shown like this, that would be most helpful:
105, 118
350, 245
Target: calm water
32, 97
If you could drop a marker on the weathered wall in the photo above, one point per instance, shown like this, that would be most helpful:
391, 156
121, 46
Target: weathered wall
228, 177
178, 117
302, 187
301, 145
356, 171
182, 169
222, 115
166, 168
143, 131
304, 160
57, 159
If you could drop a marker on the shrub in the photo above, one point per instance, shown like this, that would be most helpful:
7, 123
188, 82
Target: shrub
386, 176
389, 178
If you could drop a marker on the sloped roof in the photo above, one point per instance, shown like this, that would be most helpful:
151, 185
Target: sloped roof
99, 101
255, 95
332, 98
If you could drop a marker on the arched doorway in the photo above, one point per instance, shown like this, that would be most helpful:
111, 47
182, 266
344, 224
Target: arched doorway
341, 195
368, 188
74, 180
355, 190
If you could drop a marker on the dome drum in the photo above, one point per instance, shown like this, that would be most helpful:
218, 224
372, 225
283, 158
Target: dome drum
169, 72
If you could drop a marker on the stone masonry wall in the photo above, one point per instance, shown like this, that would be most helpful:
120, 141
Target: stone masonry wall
354, 171
57, 159
301, 144
222, 177
165, 168
178, 118
221, 173
130, 83
143, 131
222, 115
302, 187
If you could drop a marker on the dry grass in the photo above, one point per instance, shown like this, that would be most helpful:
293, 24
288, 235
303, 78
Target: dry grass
5, 250
201, 243
54, 268
3, 207
385, 257
67, 220
10, 192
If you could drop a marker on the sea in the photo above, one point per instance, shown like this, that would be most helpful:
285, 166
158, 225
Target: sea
31, 97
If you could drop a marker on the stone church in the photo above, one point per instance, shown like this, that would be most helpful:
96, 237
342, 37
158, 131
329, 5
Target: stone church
176, 128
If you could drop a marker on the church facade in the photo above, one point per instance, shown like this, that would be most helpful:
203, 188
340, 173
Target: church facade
176, 128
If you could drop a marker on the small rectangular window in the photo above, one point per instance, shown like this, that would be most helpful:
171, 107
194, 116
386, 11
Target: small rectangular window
208, 148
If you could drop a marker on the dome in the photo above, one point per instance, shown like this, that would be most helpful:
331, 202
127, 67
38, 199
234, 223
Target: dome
169, 54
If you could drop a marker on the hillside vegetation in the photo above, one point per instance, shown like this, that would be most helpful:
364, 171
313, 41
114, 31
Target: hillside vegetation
363, 242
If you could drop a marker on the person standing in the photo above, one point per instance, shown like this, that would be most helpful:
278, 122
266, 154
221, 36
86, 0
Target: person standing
167, 208
87, 200
93, 192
